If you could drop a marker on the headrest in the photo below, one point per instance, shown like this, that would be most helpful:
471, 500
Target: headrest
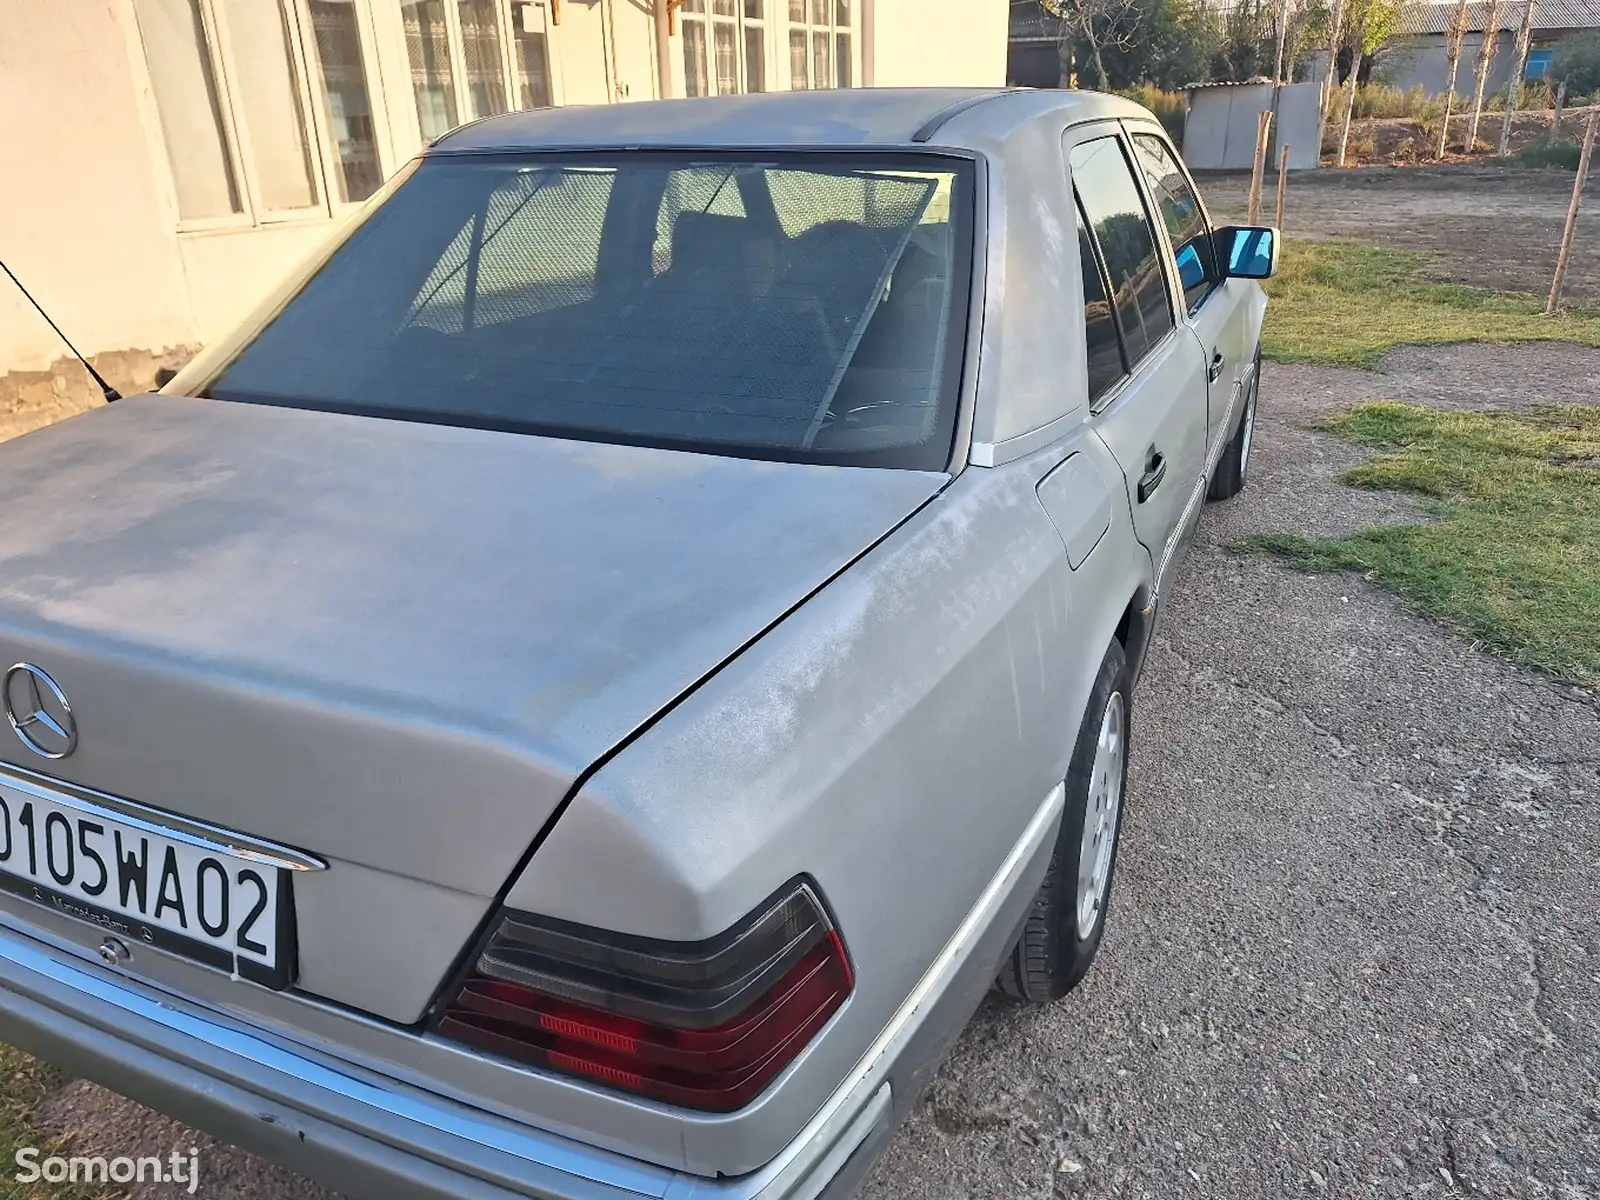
734, 249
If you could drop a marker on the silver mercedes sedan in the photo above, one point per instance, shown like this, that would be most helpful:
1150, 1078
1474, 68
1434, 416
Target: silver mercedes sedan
585, 691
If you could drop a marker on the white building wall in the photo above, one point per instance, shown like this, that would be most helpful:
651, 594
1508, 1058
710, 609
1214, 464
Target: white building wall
83, 221
581, 53
920, 43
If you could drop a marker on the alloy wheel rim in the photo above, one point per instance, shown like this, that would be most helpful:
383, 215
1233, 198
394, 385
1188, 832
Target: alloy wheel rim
1100, 811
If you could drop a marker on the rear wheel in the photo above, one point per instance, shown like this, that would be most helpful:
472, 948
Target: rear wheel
1064, 928
1234, 468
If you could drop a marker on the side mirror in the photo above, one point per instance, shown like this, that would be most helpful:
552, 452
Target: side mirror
1191, 271
1247, 251
164, 376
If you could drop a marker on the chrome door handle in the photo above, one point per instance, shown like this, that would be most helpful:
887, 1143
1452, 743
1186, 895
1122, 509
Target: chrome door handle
1216, 366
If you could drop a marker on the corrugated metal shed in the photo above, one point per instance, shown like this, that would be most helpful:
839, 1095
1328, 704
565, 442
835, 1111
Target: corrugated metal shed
1031, 23
1547, 14
1220, 132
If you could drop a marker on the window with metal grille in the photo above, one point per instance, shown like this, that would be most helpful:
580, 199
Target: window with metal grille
724, 47
265, 106
805, 306
821, 43
474, 58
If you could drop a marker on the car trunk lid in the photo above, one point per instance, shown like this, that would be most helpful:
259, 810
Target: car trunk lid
393, 645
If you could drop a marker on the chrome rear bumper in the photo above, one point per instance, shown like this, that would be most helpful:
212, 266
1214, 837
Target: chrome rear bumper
365, 1134
358, 1133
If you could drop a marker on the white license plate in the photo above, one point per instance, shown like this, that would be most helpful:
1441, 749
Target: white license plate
231, 912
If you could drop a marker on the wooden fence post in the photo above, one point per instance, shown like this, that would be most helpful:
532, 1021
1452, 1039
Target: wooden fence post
1572, 216
1258, 168
1561, 98
1283, 175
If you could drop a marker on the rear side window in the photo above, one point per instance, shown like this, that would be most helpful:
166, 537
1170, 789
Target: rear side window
1110, 199
1100, 325
1192, 249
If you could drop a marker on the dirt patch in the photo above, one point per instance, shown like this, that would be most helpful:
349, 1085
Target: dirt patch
1409, 141
1487, 226
1477, 376
1472, 376
1307, 463
32, 399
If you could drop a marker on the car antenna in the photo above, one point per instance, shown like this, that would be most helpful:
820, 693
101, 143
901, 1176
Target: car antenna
110, 392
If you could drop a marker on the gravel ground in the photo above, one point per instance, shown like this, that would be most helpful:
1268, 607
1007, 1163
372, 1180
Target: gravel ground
101, 1123
1491, 227
1355, 949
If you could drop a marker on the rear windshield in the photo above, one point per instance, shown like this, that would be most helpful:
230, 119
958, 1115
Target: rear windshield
807, 307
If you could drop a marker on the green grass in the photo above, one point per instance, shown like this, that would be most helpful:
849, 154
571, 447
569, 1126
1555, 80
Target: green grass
1549, 150
1513, 558
23, 1083
1343, 304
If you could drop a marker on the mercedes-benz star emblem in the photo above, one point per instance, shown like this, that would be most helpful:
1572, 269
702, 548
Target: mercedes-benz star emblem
38, 711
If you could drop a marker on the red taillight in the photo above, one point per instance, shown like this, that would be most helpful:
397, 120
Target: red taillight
706, 1025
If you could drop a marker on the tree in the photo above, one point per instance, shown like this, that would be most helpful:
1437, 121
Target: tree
1097, 24
1488, 44
1280, 27
1518, 69
1369, 25
1245, 46
1330, 81
1171, 46
1453, 38
1308, 27
1181, 41
1576, 63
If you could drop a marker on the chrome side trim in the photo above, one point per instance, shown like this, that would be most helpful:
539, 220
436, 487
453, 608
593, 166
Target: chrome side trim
200, 834
995, 454
1191, 511
981, 280
878, 1111
800, 1159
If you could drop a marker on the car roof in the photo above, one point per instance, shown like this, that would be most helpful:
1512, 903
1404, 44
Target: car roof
842, 117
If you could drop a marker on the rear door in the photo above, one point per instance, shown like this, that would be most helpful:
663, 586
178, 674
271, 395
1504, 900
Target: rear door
1213, 306
1147, 373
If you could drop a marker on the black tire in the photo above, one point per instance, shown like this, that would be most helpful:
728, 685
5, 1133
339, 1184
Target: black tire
1053, 954
1233, 469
